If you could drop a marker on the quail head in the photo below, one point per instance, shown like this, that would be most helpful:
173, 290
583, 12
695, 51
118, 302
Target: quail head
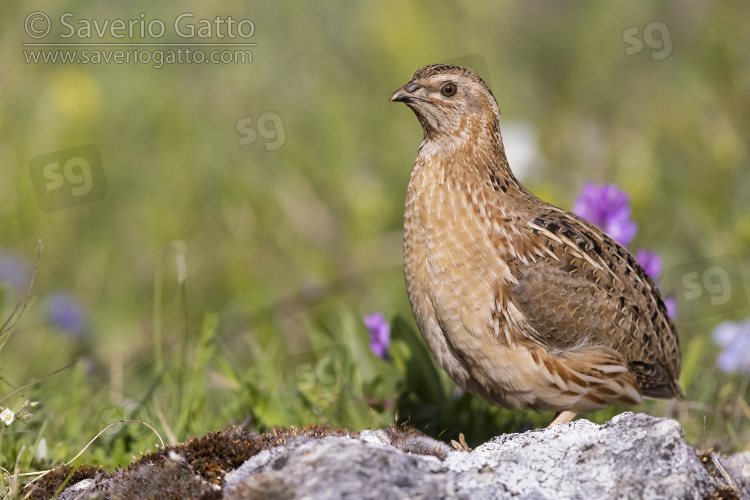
520, 302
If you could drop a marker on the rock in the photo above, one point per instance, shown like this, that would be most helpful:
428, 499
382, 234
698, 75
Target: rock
634, 456
79, 490
738, 468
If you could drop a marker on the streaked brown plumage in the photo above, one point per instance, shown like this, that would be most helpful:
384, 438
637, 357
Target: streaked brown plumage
520, 302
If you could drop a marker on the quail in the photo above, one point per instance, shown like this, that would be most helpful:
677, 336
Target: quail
520, 302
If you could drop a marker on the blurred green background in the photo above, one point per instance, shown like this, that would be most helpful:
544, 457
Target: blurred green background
290, 236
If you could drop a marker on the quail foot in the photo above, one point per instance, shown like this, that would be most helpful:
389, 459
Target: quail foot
520, 302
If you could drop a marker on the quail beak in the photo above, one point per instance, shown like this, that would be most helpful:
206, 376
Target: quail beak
406, 93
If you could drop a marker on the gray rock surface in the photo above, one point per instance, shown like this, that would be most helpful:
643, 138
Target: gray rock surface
738, 468
633, 456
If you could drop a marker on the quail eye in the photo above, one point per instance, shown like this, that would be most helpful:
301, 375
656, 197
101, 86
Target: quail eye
448, 90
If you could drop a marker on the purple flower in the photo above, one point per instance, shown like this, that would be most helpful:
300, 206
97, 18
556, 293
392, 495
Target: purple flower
608, 207
671, 306
734, 337
66, 313
14, 270
380, 333
651, 263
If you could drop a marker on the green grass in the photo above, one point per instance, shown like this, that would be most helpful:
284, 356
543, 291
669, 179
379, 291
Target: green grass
338, 381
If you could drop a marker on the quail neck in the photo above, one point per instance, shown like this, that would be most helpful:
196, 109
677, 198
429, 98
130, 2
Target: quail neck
457, 116
462, 148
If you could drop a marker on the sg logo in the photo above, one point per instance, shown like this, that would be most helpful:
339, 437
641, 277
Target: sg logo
661, 45
134, 410
68, 178
269, 126
708, 287
323, 376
